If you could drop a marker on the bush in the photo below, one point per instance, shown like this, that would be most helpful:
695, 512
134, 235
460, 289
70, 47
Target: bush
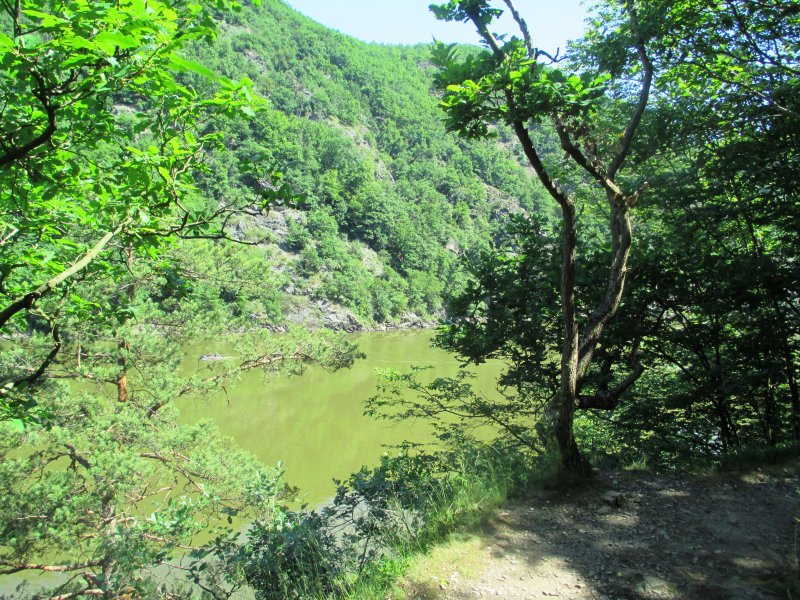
294, 555
377, 517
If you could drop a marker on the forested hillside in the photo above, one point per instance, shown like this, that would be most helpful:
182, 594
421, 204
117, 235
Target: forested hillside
616, 231
388, 199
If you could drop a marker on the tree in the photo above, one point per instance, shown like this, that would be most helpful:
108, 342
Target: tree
99, 147
709, 320
104, 130
108, 490
515, 83
718, 258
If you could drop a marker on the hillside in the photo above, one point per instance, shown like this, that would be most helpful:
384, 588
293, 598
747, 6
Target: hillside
388, 199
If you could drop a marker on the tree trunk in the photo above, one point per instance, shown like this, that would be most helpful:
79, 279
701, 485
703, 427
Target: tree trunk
727, 427
794, 397
122, 380
122, 344
771, 414
562, 412
577, 351
724, 433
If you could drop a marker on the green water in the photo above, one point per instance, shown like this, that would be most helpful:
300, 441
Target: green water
314, 422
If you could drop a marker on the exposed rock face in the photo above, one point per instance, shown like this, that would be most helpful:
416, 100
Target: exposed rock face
321, 314
318, 314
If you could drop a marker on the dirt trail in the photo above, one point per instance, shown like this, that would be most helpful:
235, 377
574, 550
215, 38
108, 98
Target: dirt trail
631, 535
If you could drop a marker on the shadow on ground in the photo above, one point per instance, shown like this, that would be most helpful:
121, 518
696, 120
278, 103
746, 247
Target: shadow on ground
678, 537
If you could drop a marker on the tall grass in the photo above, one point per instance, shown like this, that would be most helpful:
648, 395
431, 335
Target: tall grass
361, 543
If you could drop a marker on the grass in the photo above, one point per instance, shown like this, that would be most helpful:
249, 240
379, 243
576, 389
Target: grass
637, 464
774, 460
461, 555
453, 546
452, 519
423, 573
432, 512
456, 521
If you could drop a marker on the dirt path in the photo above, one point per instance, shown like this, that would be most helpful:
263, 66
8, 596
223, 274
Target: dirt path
631, 535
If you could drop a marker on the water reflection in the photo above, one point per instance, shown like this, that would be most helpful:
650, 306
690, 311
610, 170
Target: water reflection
314, 423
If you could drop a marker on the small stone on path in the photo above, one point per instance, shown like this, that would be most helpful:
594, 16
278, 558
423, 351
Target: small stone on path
651, 583
613, 498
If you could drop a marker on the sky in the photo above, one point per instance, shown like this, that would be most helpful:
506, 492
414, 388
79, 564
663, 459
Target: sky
551, 22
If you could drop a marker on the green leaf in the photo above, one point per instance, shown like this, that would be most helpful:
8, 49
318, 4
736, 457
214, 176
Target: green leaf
76, 59
181, 64
109, 41
6, 43
45, 19
77, 42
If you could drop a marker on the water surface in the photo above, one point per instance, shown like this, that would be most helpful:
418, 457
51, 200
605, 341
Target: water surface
314, 423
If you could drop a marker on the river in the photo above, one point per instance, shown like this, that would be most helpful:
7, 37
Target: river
314, 423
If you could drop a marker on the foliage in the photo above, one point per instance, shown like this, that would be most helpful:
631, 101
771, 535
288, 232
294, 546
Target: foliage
455, 410
111, 260
100, 148
713, 284
497, 318
510, 82
124, 166
387, 193
127, 478
294, 555
708, 326
106, 492
378, 517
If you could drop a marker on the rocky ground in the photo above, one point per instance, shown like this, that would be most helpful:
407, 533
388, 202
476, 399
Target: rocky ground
631, 535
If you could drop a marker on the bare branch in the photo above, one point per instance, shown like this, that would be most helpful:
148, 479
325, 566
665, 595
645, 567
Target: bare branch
523, 27
12, 567
86, 592
6, 237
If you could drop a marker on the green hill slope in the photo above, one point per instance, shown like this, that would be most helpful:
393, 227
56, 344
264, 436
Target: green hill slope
389, 198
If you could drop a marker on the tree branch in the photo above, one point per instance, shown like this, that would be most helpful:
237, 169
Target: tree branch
610, 400
621, 237
593, 168
42, 138
27, 301
11, 567
523, 27
644, 95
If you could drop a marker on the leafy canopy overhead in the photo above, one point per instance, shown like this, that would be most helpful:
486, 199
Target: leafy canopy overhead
101, 136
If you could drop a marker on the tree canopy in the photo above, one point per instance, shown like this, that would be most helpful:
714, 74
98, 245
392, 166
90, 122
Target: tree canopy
701, 357
100, 147
515, 82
